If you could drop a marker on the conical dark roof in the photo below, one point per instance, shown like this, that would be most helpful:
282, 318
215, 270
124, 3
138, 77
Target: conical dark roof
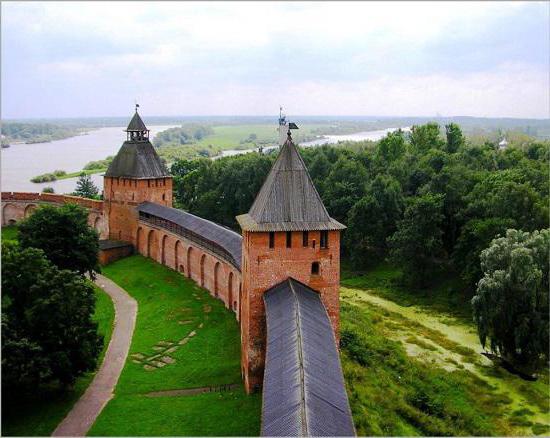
288, 200
137, 159
136, 124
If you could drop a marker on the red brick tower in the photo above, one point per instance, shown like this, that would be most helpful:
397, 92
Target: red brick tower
287, 233
135, 175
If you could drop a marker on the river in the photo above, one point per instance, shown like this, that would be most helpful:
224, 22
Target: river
21, 162
325, 139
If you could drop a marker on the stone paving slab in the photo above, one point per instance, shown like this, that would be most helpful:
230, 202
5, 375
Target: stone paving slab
84, 413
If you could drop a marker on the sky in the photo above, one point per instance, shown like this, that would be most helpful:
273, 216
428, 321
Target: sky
80, 59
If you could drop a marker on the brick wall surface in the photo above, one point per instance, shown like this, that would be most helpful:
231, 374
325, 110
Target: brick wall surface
110, 255
265, 267
19, 205
217, 276
122, 195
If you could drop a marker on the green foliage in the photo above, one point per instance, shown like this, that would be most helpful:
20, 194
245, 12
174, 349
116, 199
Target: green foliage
373, 219
48, 190
86, 188
455, 139
9, 233
46, 177
345, 185
183, 135
36, 132
511, 301
40, 412
47, 331
217, 189
426, 137
508, 195
100, 164
417, 244
475, 236
64, 235
391, 148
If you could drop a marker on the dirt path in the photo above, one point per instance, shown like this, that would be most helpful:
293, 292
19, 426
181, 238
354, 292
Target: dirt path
89, 406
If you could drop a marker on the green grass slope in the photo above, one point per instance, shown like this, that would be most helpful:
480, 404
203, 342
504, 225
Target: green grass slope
171, 309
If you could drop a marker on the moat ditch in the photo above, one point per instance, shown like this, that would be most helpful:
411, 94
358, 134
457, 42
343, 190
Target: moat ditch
452, 345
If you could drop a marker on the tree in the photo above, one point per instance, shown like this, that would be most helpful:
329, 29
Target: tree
47, 329
417, 243
372, 219
455, 139
86, 188
426, 137
391, 147
65, 237
511, 301
475, 236
48, 190
345, 185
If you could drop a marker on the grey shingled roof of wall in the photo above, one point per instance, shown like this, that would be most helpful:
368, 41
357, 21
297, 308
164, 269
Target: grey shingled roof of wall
303, 392
213, 233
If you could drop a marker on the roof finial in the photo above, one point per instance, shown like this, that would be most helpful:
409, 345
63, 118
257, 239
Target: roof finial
137, 105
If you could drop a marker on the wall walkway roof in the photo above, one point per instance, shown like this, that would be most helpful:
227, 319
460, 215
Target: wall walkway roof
303, 392
210, 235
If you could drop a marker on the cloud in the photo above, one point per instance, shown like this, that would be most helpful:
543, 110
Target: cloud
329, 57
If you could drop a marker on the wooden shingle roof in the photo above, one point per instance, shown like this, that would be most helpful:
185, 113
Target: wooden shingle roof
288, 200
137, 159
304, 393
136, 124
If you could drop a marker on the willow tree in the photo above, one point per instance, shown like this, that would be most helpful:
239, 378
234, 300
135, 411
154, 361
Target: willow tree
511, 301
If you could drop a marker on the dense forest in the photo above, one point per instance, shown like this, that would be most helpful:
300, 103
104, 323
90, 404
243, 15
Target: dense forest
430, 200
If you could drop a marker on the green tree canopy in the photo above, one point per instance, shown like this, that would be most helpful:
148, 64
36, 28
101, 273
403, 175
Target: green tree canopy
47, 329
455, 139
65, 237
511, 301
373, 218
426, 137
417, 244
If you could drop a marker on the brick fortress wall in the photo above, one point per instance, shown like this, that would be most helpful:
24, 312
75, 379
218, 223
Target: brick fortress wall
264, 267
19, 205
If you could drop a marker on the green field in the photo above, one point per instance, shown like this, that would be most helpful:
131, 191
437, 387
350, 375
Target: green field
414, 369
172, 309
227, 137
40, 415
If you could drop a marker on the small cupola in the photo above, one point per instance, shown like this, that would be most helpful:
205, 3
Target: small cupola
136, 130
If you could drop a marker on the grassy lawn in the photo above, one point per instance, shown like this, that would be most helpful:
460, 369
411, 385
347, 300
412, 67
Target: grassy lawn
412, 366
40, 415
172, 309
